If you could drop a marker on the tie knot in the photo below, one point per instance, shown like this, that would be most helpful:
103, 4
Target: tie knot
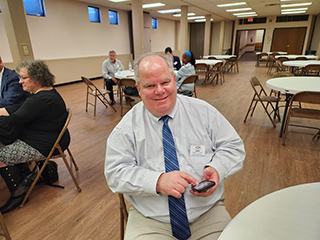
165, 118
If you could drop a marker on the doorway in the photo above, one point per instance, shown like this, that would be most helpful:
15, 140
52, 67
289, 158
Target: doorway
288, 40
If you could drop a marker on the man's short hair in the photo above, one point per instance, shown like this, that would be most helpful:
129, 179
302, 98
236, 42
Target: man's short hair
112, 51
168, 49
137, 61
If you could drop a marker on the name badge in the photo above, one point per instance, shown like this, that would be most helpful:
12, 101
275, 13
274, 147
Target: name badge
197, 150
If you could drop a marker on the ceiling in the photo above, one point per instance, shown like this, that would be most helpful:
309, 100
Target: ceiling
263, 8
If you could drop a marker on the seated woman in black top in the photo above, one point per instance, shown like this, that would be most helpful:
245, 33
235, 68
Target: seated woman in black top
29, 130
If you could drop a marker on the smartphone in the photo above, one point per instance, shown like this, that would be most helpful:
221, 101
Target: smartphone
203, 186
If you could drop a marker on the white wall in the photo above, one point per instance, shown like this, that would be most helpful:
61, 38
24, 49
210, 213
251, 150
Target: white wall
164, 36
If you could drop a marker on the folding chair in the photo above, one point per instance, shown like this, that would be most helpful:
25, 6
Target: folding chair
212, 58
123, 215
4, 228
262, 57
96, 93
190, 79
311, 70
126, 82
56, 146
218, 72
261, 96
232, 63
311, 98
202, 68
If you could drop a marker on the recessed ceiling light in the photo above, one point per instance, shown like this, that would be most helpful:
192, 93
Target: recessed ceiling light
118, 0
179, 15
238, 9
152, 5
195, 17
202, 20
295, 9
252, 15
246, 13
296, 5
293, 12
170, 10
232, 4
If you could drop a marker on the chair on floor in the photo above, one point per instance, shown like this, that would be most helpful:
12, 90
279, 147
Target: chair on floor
212, 58
311, 70
126, 82
116, 90
309, 111
4, 229
202, 69
262, 57
97, 94
232, 63
188, 80
261, 96
217, 72
56, 147
123, 215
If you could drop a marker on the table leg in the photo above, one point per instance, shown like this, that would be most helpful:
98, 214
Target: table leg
288, 98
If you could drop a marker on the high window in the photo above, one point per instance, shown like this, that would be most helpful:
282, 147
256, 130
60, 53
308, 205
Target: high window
34, 7
154, 23
113, 17
94, 14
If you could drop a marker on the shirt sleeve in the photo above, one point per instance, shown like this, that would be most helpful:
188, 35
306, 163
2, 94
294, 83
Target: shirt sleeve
105, 71
122, 171
229, 152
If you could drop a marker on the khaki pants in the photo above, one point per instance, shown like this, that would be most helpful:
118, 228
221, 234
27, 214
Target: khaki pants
207, 227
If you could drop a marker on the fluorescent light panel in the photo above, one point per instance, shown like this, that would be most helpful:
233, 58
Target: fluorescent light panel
202, 20
238, 9
294, 9
246, 13
170, 10
252, 15
152, 5
232, 4
296, 5
118, 0
179, 15
293, 12
196, 17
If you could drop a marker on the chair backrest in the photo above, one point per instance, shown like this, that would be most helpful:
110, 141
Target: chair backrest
91, 86
257, 87
279, 65
233, 59
263, 55
283, 59
212, 58
315, 67
301, 58
203, 67
218, 65
282, 74
307, 97
189, 79
127, 82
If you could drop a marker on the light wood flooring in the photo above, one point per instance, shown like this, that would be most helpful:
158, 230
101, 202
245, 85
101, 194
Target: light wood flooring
54, 213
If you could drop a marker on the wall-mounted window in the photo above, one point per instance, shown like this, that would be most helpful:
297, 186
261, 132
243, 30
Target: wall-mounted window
113, 17
34, 7
154, 23
94, 14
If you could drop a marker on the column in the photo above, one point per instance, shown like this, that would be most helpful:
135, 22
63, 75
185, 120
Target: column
221, 36
184, 43
207, 34
14, 19
137, 28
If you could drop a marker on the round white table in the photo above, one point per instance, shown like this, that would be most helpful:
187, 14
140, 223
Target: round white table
124, 74
221, 57
300, 63
289, 214
208, 61
290, 86
309, 57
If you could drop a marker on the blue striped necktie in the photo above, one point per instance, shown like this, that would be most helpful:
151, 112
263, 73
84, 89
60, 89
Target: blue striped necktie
178, 215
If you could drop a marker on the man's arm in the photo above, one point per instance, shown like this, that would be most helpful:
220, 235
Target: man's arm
13, 92
105, 72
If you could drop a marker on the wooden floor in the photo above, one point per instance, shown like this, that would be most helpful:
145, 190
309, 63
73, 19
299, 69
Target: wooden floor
54, 213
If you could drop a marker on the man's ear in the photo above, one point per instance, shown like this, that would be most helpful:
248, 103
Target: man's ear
137, 86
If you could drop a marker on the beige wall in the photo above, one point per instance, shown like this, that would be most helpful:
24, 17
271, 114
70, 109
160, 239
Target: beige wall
73, 46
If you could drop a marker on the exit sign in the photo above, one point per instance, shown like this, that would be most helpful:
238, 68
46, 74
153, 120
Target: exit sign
250, 19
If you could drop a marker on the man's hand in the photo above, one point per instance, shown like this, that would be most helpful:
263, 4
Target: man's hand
209, 173
174, 183
114, 80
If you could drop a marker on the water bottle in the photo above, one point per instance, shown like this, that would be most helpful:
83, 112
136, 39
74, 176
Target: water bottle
130, 66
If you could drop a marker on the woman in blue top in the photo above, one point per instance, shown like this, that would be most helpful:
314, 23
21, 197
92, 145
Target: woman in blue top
186, 70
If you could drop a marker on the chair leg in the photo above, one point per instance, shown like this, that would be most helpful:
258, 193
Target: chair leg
4, 228
72, 160
245, 119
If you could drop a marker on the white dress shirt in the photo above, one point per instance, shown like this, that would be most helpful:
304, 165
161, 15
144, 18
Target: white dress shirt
109, 68
135, 158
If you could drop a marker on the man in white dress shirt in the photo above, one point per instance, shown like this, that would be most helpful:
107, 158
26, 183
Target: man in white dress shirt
135, 162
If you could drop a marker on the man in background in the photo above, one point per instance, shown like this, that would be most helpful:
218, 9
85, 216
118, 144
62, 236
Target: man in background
11, 91
109, 68
176, 60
